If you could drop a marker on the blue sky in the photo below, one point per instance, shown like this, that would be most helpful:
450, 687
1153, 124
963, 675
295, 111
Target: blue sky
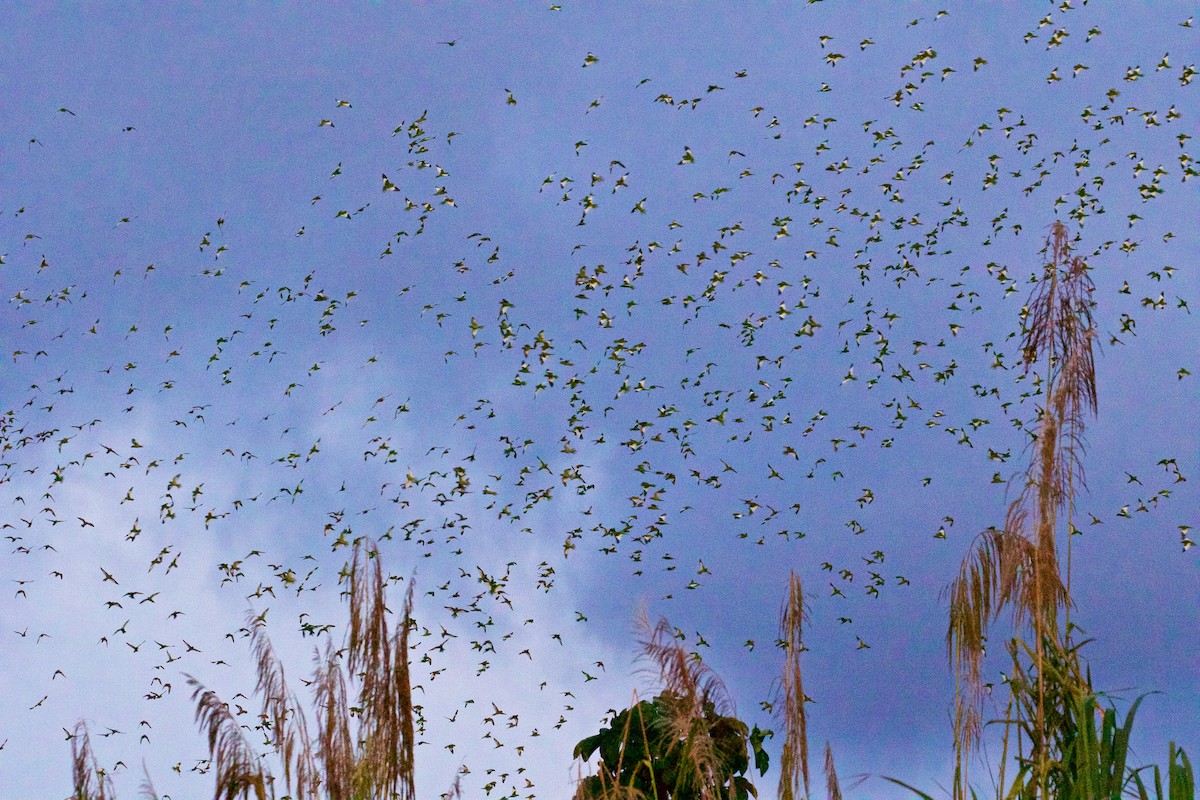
692, 296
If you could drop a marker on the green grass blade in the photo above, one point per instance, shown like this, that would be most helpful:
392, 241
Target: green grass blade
912, 789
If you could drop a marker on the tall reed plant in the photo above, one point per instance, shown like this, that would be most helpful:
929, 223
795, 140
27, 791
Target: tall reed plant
359, 752
1018, 566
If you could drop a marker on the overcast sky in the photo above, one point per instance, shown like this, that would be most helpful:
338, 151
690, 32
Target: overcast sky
576, 309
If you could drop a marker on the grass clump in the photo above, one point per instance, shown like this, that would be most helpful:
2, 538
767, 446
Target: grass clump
364, 752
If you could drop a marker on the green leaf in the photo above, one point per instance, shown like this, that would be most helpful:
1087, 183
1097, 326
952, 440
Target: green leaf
743, 789
587, 746
761, 759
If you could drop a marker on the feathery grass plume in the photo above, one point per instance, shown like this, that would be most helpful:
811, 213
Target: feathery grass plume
335, 747
1061, 329
995, 574
239, 770
86, 770
402, 688
288, 725
793, 763
380, 660
1018, 566
455, 792
831, 778
690, 685
146, 789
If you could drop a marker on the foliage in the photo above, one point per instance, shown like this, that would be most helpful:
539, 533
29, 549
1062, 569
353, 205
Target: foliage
642, 755
685, 743
1087, 747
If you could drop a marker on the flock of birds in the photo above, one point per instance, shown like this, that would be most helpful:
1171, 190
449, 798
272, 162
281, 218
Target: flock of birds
806, 297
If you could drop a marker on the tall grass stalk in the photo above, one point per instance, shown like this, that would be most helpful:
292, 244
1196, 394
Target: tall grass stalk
1017, 566
90, 781
793, 763
831, 779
